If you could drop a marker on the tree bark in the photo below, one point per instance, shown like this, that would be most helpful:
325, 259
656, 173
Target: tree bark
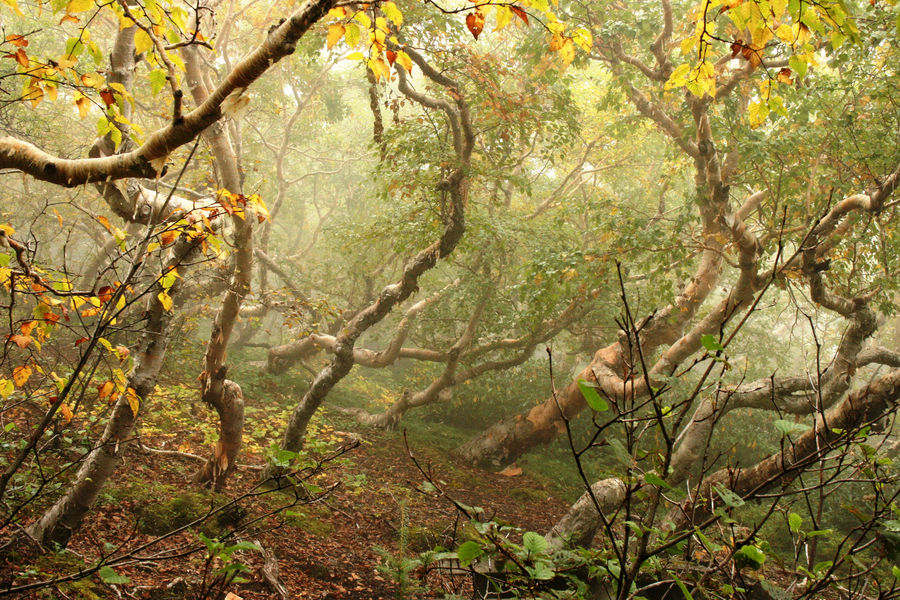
223, 395
60, 521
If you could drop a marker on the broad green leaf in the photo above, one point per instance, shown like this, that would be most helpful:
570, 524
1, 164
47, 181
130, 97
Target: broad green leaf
790, 428
795, 521
589, 391
468, 552
157, 79
108, 575
682, 587
654, 479
728, 497
534, 542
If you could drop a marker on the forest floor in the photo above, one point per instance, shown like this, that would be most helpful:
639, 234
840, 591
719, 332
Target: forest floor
374, 514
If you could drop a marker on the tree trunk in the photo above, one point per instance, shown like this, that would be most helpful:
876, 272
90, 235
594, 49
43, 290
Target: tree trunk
224, 458
57, 524
221, 394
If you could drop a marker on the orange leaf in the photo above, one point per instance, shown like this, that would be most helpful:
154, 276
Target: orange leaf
475, 22
17, 40
335, 33
167, 237
391, 56
784, 76
105, 222
28, 327
104, 389
22, 58
21, 375
106, 293
21, 341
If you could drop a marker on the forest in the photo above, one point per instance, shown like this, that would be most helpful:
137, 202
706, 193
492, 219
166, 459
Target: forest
559, 299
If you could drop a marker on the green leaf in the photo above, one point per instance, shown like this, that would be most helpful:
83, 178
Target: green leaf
4, 260
534, 542
157, 79
589, 391
750, 556
541, 571
728, 497
895, 571
469, 551
795, 521
789, 427
109, 576
682, 587
711, 343
654, 479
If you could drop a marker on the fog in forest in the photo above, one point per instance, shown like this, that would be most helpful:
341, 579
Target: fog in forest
445, 299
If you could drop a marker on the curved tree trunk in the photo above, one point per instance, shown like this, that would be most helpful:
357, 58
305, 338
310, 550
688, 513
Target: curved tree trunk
221, 394
455, 186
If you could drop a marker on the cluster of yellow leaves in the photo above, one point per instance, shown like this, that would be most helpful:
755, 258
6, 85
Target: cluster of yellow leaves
366, 27
42, 77
796, 25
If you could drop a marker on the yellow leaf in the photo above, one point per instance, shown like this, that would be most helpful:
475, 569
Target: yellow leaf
504, 16
77, 6
6, 388
393, 13
13, 5
364, 19
335, 33
678, 77
351, 34
133, 401
404, 60
166, 300
142, 42
584, 39
83, 105
785, 34
567, 52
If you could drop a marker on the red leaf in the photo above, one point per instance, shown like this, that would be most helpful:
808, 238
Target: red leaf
106, 293
80, 341
520, 13
391, 56
107, 96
